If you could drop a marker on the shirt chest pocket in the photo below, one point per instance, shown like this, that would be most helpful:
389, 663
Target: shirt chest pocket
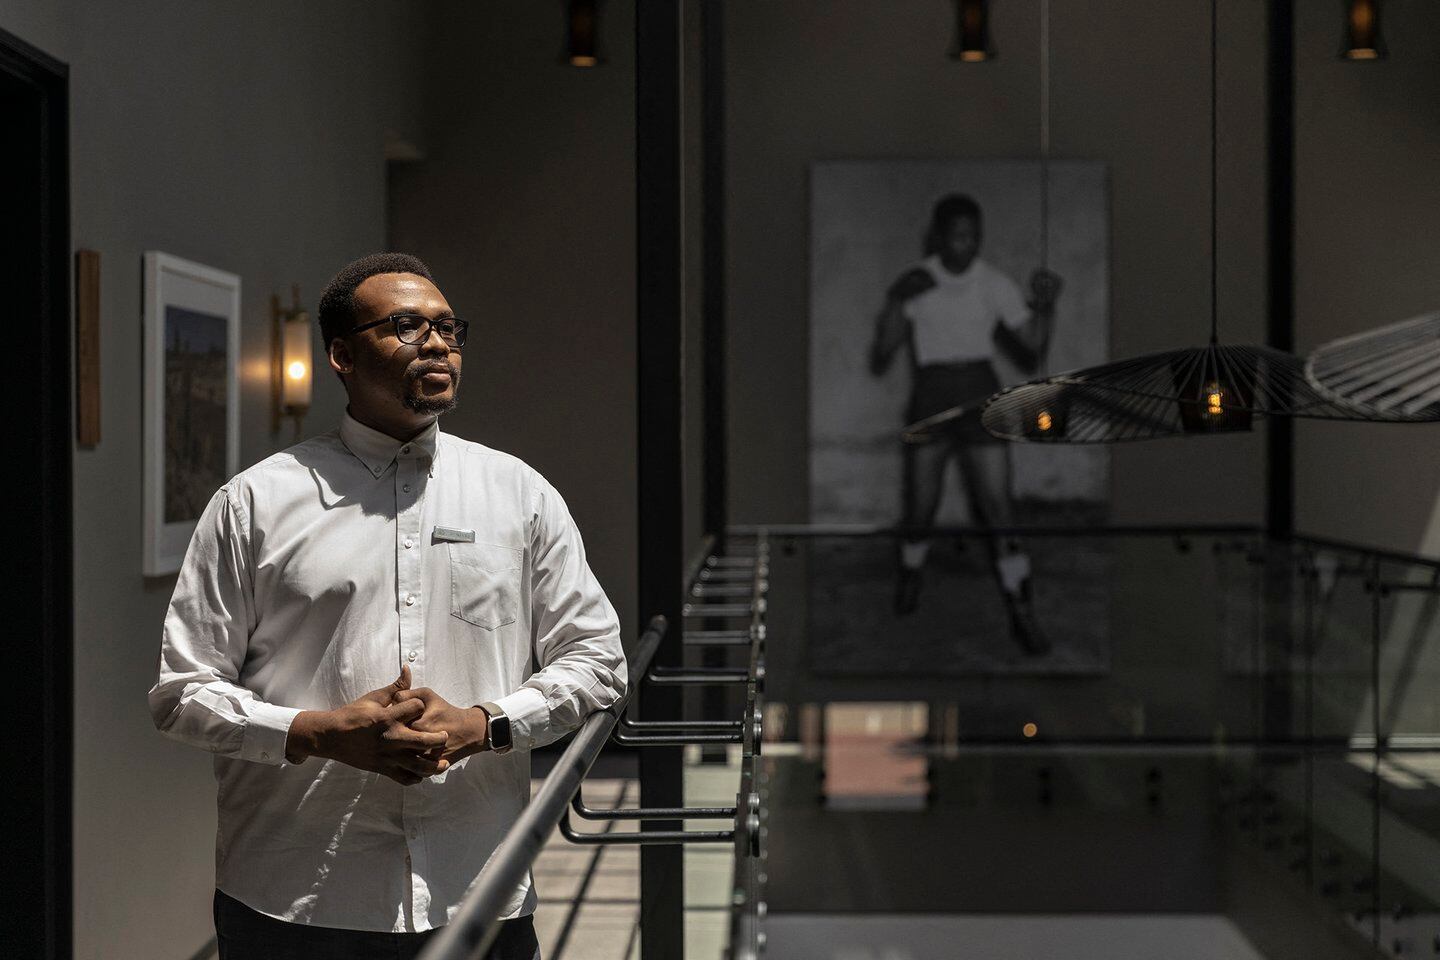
484, 584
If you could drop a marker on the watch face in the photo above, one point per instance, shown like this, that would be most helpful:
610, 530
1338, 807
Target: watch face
499, 732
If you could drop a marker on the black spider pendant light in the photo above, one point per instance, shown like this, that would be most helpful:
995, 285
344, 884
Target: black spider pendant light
1216, 388
1393, 373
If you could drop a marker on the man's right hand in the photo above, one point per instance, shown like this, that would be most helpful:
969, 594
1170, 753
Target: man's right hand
372, 733
913, 283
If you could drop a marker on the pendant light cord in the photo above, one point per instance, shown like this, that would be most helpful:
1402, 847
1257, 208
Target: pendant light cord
1214, 177
1044, 134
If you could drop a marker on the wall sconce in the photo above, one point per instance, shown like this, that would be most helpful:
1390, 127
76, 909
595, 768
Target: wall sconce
293, 361
582, 34
972, 32
1362, 31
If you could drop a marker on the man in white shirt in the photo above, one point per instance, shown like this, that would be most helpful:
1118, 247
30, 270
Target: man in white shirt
959, 313
370, 631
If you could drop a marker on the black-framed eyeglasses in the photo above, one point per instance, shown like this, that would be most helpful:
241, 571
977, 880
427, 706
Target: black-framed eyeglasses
413, 328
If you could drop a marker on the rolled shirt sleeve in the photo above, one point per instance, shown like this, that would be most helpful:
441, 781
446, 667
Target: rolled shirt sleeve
575, 633
197, 698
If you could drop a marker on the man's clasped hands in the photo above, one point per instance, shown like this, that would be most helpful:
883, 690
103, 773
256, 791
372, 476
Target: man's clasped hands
405, 734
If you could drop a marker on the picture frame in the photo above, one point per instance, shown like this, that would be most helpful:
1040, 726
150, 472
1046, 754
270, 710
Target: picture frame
191, 432
953, 248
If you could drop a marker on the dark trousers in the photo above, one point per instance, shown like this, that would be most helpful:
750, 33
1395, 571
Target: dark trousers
246, 934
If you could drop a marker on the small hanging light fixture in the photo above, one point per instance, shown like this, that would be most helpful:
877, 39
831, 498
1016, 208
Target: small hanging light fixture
972, 32
1362, 31
582, 34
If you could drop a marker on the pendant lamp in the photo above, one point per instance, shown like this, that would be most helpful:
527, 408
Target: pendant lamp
973, 13
582, 34
1212, 389
972, 32
1362, 31
1393, 373
1217, 388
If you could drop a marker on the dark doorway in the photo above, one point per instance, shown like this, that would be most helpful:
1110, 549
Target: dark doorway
35, 251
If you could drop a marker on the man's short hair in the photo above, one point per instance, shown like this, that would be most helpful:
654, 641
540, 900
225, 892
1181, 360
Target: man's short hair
947, 210
337, 303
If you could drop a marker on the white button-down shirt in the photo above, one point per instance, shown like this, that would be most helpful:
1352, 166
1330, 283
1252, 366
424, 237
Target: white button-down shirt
312, 576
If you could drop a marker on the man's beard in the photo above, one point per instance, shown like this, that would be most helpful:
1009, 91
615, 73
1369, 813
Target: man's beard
415, 400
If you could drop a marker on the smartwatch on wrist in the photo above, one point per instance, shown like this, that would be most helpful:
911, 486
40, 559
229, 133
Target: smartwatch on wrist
497, 729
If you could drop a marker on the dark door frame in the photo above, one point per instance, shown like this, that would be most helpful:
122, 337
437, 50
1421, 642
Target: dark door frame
660, 394
1280, 250
39, 839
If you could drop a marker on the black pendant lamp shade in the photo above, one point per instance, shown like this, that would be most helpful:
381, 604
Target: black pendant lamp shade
1362, 31
1393, 373
582, 34
972, 32
1204, 390
1216, 388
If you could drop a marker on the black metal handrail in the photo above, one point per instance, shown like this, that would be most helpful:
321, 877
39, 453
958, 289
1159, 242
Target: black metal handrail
577, 803
474, 926
815, 530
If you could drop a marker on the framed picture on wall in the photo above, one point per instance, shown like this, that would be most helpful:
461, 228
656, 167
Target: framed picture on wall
191, 396
918, 271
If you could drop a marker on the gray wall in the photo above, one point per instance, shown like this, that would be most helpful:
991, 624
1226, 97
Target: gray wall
525, 209
248, 137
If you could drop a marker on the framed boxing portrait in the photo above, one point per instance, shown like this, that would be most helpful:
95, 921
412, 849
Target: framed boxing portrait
934, 284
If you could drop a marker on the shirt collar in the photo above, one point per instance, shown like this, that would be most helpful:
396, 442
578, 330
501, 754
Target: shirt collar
378, 450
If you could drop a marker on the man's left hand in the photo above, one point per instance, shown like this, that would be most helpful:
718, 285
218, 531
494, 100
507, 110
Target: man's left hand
466, 726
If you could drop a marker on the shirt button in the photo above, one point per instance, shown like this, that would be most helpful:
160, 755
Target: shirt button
404, 449
409, 599
411, 656
406, 488
409, 543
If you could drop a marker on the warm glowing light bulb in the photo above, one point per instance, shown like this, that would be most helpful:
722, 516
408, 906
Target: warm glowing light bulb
1044, 421
1213, 397
296, 370
1029, 730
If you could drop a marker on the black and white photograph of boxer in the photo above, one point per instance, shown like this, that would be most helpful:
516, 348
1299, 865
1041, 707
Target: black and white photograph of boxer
933, 285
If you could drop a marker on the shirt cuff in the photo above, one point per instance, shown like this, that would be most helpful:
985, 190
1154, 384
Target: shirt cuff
529, 715
266, 732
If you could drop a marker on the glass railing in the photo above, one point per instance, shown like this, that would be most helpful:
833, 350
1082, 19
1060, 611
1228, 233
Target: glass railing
1192, 720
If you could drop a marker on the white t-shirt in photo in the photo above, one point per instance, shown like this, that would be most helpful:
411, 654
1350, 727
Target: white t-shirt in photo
952, 321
